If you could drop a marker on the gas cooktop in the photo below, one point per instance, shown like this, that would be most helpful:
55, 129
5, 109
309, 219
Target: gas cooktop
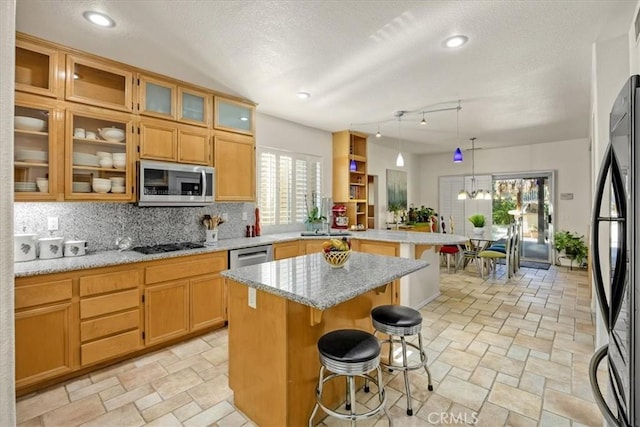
167, 247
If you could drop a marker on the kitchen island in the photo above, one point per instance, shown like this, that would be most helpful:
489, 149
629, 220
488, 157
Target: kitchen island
278, 311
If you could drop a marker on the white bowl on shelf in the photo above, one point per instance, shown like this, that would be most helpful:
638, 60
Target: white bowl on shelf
119, 164
29, 123
106, 162
113, 134
117, 181
117, 189
102, 154
43, 185
101, 188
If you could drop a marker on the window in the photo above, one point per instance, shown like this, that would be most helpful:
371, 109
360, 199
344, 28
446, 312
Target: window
285, 181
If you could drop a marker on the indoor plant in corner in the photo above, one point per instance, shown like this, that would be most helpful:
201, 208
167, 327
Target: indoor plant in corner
478, 221
572, 245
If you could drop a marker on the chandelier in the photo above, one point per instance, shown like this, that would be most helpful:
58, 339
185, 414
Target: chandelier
475, 193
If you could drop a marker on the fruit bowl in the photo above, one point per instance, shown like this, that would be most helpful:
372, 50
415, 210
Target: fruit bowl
336, 259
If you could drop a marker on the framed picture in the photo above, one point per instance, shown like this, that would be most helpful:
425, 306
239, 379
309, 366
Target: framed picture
397, 188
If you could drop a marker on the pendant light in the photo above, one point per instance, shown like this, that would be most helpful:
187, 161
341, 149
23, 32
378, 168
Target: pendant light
378, 134
399, 159
474, 193
457, 155
423, 121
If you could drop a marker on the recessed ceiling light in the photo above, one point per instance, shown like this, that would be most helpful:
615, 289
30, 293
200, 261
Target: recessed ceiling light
456, 41
303, 95
99, 19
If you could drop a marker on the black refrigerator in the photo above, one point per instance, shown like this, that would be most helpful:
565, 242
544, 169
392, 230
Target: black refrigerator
615, 235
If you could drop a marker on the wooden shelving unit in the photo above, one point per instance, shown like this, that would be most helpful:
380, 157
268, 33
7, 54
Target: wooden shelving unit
349, 184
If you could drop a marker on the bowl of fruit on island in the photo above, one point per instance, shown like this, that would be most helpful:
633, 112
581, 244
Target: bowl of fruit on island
336, 252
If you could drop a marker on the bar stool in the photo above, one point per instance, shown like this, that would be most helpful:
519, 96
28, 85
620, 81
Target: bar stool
450, 251
350, 353
400, 321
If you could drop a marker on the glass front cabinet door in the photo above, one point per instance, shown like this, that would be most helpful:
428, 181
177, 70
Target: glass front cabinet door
194, 107
37, 69
99, 158
99, 83
36, 130
156, 98
233, 116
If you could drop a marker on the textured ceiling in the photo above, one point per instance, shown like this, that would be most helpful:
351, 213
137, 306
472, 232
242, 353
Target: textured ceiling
523, 77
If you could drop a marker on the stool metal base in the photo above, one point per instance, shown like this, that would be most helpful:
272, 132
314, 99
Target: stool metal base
351, 396
405, 366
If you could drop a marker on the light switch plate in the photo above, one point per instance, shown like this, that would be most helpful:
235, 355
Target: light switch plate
244, 216
252, 297
225, 216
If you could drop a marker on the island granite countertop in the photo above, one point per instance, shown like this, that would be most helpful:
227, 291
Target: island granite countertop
110, 258
309, 280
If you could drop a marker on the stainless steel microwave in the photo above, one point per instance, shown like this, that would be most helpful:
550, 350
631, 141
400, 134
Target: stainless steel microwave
175, 184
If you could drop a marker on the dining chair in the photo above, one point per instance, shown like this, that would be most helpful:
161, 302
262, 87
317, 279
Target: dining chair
489, 256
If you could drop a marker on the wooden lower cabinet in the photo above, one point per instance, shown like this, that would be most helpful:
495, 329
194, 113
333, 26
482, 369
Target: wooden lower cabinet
312, 245
43, 343
286, 250
172, 297
68, 323
44, 324
191, 289
206, 298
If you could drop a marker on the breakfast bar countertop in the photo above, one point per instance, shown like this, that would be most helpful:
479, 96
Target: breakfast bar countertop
309, 280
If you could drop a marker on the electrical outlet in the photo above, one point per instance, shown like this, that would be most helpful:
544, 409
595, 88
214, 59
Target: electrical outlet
52, 223
225, 216
252, 297
244, 216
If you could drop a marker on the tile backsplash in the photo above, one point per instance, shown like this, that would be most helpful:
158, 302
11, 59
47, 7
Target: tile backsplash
100, 224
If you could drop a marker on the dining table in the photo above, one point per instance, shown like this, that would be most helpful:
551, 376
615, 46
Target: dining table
477, 243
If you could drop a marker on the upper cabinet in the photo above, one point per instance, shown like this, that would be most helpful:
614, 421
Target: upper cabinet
37, 69
172, 142
233, 116
156, 97
235, 163
98, 83
36, 150
194, 106
98, 155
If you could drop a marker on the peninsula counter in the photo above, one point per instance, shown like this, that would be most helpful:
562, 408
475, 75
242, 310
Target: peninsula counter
278, 311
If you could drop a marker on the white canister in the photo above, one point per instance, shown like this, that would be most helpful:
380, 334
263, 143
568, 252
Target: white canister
50, 247
75, 247
24, 247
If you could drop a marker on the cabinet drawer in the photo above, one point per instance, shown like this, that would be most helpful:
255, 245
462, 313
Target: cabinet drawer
42, 293
108, 325
111, 303
110, 347
108, 282
167, 272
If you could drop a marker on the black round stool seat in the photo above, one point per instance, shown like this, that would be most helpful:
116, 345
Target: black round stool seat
396, 315
349, 346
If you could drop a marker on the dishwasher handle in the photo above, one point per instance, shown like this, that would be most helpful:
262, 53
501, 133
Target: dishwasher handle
252, 256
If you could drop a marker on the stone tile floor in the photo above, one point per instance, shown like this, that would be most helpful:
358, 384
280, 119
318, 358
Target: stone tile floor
501, 354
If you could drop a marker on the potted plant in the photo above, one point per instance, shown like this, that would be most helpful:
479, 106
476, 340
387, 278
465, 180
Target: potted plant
394, 208
572, 245
478, 221
314, 219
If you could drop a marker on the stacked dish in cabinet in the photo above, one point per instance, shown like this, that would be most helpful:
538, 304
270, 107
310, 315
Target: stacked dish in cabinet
31, 153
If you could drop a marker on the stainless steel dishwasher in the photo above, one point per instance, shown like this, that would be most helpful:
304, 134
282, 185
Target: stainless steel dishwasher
250, 256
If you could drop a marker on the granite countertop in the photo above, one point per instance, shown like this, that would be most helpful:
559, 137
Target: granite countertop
110, 258
309, 280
